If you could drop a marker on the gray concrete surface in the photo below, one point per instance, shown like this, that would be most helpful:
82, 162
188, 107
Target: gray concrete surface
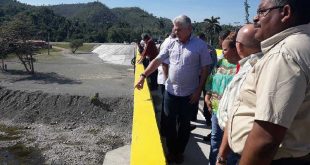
115, 53
196, 153
76, 74
119, 156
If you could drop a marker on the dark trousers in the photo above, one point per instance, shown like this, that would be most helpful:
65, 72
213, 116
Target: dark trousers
152, 77
163, 119
179, 112
206, 112
305, 160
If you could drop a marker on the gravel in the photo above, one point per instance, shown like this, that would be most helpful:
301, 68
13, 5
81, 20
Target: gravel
52, 117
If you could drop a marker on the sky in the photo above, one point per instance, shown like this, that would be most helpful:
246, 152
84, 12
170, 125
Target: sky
230, 11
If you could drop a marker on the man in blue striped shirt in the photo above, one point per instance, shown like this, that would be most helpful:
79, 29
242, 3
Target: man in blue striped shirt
187, 56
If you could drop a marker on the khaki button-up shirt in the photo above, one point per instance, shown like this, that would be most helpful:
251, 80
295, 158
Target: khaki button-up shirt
277, 91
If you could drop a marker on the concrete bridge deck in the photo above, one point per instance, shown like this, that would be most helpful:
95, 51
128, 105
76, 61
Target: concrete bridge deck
197, 151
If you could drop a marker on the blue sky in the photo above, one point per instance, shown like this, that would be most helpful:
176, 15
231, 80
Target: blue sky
230, 11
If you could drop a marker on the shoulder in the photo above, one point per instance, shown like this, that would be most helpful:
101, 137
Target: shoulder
297, 47
199, 44
297, 42
197, 41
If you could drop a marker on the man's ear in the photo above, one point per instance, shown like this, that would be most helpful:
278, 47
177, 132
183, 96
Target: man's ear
286, 13
239, 48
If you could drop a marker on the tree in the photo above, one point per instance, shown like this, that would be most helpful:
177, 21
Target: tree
4, 48
75, 45
213, 27
246, 8
19, 33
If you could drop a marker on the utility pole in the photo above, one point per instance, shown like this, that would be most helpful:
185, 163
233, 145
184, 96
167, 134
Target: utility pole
246, 8
142, 16
48, 43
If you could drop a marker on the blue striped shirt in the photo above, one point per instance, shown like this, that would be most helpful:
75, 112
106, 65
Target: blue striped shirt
185, 63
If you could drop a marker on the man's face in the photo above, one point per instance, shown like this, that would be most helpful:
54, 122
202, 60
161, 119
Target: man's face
183, 33
267, 22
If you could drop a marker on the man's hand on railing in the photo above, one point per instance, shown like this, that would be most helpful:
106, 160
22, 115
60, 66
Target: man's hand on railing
140, 60
139, 84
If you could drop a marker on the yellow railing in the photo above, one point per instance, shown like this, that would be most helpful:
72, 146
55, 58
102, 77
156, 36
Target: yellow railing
219, 52
146, 146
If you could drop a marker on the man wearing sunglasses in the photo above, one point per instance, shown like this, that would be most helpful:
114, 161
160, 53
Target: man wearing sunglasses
270, 121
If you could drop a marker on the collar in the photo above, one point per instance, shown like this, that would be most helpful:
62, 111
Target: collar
190, 38
253, 58
269, 43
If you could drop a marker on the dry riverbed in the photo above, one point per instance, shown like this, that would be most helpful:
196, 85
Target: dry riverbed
53, 118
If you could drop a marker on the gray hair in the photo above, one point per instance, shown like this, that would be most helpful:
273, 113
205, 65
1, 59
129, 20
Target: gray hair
279, 2
183, 20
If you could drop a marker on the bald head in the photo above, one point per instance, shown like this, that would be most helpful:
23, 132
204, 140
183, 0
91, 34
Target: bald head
246, 42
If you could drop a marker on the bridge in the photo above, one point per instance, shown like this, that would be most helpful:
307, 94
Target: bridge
147, 147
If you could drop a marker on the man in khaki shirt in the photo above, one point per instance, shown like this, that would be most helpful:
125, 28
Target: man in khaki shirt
270, 121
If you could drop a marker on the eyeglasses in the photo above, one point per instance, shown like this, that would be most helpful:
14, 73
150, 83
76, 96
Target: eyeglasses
264, 12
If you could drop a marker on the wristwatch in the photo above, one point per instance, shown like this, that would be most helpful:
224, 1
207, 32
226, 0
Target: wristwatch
143, 75
221, 160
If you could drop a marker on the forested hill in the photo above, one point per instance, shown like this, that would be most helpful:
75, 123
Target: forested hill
92, 22
137, 17
93, 12
9, 8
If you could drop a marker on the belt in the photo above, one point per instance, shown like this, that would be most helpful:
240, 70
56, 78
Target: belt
304, 160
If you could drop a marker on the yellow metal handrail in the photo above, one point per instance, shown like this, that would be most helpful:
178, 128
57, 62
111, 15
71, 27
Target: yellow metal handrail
146, 146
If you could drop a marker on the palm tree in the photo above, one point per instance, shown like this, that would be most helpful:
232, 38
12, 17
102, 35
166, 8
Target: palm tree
213, 27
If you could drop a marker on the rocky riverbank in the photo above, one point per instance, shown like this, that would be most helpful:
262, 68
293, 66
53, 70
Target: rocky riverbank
61, 129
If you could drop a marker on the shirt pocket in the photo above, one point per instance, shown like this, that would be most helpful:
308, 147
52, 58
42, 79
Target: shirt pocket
174, 57
190, 58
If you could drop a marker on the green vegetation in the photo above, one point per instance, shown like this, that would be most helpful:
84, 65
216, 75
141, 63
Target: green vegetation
20, 24
10, 133
75, 44
65, 45
94, 131
20, 150
213, 28
91, 22
85, 48
44, 51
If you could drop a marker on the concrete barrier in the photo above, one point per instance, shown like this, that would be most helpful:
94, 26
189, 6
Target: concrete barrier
146, 146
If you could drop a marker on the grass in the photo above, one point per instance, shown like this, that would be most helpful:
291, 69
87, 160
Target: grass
9, 130
45, 51
20, 154
62, 45
53, 51
94, 131
11, 56
10, 133
20, 150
